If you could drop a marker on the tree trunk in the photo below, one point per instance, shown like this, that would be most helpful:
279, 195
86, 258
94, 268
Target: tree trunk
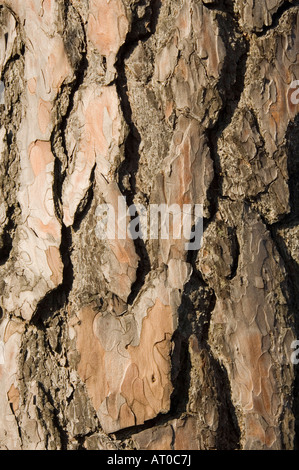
115, 341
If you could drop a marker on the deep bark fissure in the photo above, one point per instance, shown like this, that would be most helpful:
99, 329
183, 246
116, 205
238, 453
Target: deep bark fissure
230, 104
276, 17
58, 142
47, 398
57, 298
133, 140
10, 118
215, 193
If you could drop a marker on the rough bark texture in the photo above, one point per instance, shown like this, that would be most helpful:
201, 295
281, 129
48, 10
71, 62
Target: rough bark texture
145, 345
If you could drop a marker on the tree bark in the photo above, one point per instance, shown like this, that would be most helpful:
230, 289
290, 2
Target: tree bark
144, 343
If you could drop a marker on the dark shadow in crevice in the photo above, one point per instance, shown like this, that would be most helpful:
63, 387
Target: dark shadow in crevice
198, 302
141, 29
180, 379
195, 313
291, 221
85, 204
230, 94
59, 132
57, 298
76, 49
77, 53
8, 236
276, 17
232, 233
54, 415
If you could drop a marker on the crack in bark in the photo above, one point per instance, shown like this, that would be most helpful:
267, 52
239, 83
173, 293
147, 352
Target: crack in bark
215, 193
69, 91
227, 6
62, 433
224, 118
57, 298
8, 235
276, 17
133, 140
19, 427
291, 265
10, 120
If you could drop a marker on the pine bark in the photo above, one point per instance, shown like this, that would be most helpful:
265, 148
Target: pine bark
144, 344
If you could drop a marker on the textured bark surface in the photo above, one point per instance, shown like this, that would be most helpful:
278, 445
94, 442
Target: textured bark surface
123, 344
